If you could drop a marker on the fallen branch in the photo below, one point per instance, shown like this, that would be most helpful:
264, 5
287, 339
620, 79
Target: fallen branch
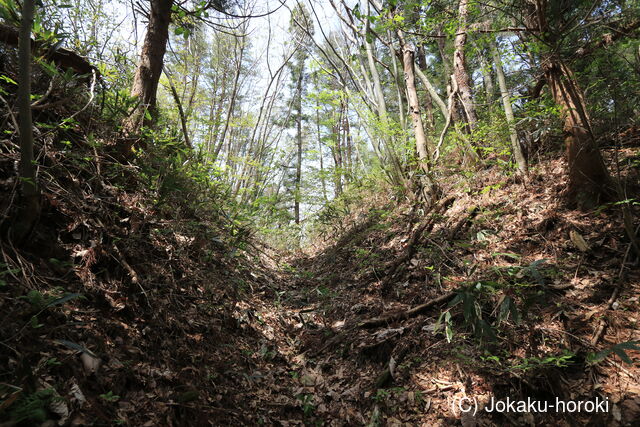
132, 272
412, 312
614, 295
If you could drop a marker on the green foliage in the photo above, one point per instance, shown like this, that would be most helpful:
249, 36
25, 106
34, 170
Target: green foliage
619, 349
110, 397
4, 271
561, 360
30, 407
307, 402
513, 284
381, 395
40, 301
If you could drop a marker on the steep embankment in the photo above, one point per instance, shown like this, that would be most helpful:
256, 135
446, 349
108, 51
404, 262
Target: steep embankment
121, 307
354, 336
130, 310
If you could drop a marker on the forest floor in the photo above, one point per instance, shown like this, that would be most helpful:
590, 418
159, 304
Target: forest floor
145, 317
346, 336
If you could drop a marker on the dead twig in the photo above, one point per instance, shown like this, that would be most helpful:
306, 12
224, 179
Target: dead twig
132, 273
614, 295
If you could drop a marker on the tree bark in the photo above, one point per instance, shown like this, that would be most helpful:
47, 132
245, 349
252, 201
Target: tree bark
296, 203
516, 150
414, 109
147, 76
422, 146
589, 180
29, 211
460, 68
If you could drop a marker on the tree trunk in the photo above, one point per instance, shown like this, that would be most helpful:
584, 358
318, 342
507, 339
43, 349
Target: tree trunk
181, 114
147, 76
422, 146
319, 136
589, 180
336, 151
460, 68
516, 150
399, 91
487, 79
29, 211
346, 129
432, 94
414, 109
396, 171
296, 205
234, 92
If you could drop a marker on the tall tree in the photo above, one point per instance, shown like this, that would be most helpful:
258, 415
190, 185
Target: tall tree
149, 69
589, 180
301, 29
422, 146
460, 67
516, 150
30, 209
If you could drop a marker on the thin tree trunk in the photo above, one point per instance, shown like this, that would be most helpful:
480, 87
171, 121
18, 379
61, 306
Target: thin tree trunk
219, 142
396, 171
486, 79
234, 92
401, 98
516, 150
147, 76
432, 92
296, 206
183, 118
424, 158
414, 110
337, 158
348, 142
460, 68
431, 95
30, 209
322, 177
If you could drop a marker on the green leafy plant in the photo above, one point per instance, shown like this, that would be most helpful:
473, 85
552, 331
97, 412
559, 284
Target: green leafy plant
381, 395
4, 270
110, 396
31, 407
445, 319
619, 349
531, 363
307, 403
